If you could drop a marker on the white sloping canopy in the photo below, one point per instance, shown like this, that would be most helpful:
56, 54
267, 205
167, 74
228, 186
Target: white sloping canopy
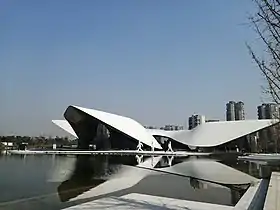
124, 124
64, 124
214, 133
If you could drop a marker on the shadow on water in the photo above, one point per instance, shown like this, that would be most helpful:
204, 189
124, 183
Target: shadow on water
82, 178
91, 171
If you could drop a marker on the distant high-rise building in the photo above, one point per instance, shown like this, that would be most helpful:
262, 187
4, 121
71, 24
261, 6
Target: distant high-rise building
230, 114
239, 111
261, 112
273, 111
269, 137
269, 111
196, 120
235, 111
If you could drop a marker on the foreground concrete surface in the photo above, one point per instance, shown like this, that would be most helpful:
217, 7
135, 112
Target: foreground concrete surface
143, 202
272, 201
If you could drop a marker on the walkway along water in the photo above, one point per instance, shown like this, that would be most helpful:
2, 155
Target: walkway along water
109, 152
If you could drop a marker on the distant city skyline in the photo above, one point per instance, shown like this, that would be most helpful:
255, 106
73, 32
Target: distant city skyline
157, 62
234, 111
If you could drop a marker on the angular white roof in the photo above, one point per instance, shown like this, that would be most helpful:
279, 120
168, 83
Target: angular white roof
64, 124
123, 124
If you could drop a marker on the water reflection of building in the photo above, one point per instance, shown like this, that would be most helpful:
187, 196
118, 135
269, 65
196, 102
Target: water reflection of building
197, 184
167, 161
139, 158
82, 178
258, 169
236, 191
89, 172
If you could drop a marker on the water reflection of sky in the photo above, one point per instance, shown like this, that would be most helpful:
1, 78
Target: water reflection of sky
62, 181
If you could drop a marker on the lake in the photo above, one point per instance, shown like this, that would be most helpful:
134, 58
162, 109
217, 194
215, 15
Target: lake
57, 181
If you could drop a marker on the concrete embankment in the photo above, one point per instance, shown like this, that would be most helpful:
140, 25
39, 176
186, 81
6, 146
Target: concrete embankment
109, 152
272, 201
263, 157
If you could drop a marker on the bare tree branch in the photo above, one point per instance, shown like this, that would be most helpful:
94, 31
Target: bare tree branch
266, 23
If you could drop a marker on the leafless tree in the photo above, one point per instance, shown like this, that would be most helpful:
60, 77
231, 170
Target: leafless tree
266, 23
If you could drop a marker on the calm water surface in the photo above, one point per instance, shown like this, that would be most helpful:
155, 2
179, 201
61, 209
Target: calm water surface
55, 182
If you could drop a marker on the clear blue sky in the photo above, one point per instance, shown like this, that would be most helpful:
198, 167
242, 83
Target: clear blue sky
155, 61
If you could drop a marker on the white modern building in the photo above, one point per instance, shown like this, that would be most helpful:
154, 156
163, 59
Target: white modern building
126, 133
